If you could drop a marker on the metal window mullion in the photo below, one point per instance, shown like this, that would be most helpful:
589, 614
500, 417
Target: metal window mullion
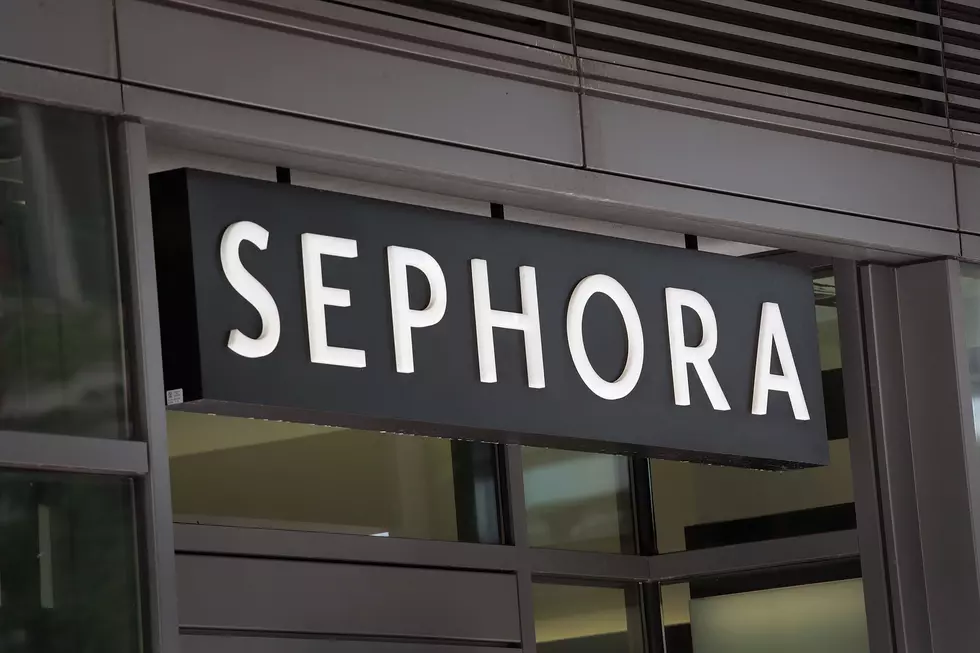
650, 607
754, 556
68, 453
514, 480
943, 447
890, 423
864, 458
653, 626
133, 202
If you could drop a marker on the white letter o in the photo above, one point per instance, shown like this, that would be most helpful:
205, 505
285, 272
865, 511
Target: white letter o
601, 283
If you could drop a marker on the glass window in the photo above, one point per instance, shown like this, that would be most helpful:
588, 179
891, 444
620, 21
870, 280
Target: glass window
578, 500
970, 293
586, 619
753, 615
60, 334
698, 506
256, 473
67, 564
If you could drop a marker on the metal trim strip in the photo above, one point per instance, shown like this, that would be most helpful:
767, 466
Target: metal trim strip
583, 565
69, 453
552, 563
754, 556
341, 547
39, 84
218, 642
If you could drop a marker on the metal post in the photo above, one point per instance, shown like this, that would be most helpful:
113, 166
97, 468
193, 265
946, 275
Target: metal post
140, 293
518, 528
885, 379
864, 464
943, 449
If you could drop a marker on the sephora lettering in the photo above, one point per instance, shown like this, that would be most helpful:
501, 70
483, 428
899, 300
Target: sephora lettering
683, 356
288, 303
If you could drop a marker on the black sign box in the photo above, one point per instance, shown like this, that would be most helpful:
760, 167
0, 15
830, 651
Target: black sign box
448, 391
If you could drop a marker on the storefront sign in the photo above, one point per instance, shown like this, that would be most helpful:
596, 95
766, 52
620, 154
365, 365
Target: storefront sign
281, 302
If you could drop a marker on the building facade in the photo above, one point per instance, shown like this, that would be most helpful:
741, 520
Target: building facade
833, 137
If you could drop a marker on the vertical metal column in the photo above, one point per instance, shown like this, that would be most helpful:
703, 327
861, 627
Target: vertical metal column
864, 466
926, 451
139, 274
889, 426
942, 443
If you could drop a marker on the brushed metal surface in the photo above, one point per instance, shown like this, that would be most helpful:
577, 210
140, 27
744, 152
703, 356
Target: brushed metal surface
698, 151
346, 599
339, 80
70, 34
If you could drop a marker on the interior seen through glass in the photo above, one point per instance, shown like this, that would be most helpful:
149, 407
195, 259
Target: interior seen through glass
970, 294
68, 570
578, 500
813, 618
586, 619
262, 474
61, 348
698, 506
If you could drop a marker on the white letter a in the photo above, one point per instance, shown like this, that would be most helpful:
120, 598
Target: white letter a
772, 331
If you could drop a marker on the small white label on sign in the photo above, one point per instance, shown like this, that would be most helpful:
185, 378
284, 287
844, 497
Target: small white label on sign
175, 396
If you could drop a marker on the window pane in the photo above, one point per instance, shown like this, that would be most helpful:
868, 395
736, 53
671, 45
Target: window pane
811, 618
970, 292
578, 500
586, 619
698, 506
67, 565
255, 473
60, 333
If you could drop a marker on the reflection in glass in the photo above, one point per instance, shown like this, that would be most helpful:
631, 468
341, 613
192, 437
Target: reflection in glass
586, 619
60, 336
67, 565
578, 500
812, 618
698, 506
970, 294
256, 473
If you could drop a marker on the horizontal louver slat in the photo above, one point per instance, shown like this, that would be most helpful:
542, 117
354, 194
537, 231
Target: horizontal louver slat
757, 61
761, 35
910, 60
530, 22
770, 42
961, 44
